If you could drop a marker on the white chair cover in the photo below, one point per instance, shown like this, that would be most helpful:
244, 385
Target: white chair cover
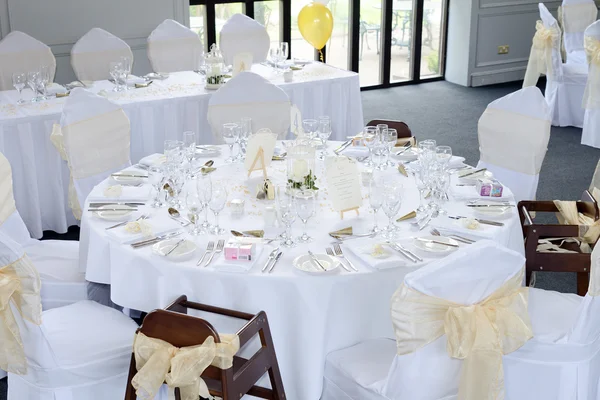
514, 131
576, 16
250, 95
92, 54
80, 351
565, 83
20, 52
173, 47
57, 260
591, 98
242, 34
94, 138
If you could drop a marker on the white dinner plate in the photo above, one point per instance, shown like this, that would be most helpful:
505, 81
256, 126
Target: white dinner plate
126, 180
122, 214
207, 151
183, 252
304, 263
434, 247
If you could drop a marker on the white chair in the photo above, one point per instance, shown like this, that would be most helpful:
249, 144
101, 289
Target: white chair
591, 100
250, 95
92, 54
173, 47
57, 260
20, 52
242, 34
94, 138
560, 362
80, 351
565, 83
514, 131
575, 17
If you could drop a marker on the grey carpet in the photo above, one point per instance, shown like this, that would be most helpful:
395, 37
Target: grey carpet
448, 113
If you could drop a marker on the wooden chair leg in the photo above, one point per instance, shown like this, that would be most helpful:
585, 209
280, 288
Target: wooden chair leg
528, 278
583, 282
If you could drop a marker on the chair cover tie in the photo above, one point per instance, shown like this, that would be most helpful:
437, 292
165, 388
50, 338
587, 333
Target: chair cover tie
158, 361
479, 334
540, 57
19, 284
589, 229
591, 97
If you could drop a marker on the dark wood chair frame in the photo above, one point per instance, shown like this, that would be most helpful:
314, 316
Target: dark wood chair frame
401, 127
556, 262
174, 326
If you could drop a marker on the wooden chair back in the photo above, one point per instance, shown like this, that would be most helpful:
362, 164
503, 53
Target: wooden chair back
174, 326
400, 127
577, 262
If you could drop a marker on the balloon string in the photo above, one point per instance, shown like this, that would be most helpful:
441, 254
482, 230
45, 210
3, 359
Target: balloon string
321, 55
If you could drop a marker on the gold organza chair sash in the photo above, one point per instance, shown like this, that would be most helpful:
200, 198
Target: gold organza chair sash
158, 361
591, 97
19, 284
479, 334
540, 57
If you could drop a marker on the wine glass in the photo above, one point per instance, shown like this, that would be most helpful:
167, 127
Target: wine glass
392, 201
391, 138
194, 206
245, 132
305, 209
375, 200
19, 80
274, 56
189, 149
204, 188
284, 50
426, 150
173, 150
156, 177
380, 154
443, 154
421, 180
44, 80
230, 134
324, 132
370, 138
114, 69
33, 78
287, 214
310, 127
380, 128
216, 204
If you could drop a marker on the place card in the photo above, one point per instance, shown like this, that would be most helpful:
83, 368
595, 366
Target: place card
241, 62
343, 184
296, 121
259, 151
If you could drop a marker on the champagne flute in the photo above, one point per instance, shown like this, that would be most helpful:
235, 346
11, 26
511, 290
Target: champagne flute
324, 132
245, 132
391, 138
305, 209
230, 134
156, 177
392, 201
216, 204
274, 57
194, 206
375, 200
286, 213
204, 188
370, 138
189, 148
19, 80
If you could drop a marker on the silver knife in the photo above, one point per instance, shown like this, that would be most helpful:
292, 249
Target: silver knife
343, 147
483, 221
409, 252
129, 175
404, 150
399, 250
94, 205
473, 173
148, 242
174, 247
272, 255
420, 239
490, 205
275, 262
112, 209
312, 256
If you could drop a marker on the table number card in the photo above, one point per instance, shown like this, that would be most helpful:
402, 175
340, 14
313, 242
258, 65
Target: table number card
241, 62
343, 184
296, 121
259, 151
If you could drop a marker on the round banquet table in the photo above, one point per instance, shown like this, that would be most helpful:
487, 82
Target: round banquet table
309, 315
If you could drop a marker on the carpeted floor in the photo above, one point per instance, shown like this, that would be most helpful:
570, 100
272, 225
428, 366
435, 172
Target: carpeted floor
449, 113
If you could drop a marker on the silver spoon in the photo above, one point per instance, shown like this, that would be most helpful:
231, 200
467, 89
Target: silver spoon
177, 216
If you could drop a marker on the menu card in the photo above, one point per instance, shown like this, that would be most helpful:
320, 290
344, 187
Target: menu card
262, 141
343, 183
241, 62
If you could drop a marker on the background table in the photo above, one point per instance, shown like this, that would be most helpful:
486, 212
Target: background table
309, 315
162, 111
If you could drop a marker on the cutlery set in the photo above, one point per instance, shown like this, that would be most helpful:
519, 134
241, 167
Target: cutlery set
156, 239
405, 252
274, 257
210, 252
461, 239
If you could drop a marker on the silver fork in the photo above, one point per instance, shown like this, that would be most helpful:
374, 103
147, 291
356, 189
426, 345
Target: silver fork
219, 249
209, 249
435, 232
330, 253
340, 254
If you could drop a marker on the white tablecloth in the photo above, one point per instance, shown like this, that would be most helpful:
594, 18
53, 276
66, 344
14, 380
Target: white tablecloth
162, 111
309, 315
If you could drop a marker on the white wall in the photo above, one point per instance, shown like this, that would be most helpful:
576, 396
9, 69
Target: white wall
59, 23
475, 30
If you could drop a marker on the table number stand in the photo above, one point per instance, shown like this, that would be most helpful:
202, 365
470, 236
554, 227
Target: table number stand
348, 210
260, 157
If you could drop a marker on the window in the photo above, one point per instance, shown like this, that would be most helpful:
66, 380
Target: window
388, 42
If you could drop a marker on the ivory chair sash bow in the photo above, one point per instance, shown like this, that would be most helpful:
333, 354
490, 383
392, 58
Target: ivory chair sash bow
242, 34
591, 98
158, 361
513, 138
173, 47
20, 52
565, 83
93, 52
94, 138
575, 17
250, 95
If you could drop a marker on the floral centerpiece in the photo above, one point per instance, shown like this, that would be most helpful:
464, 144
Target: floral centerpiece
215, 68
301, 167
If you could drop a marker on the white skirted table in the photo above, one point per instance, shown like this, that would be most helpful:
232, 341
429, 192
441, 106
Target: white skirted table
309, 315
164, 110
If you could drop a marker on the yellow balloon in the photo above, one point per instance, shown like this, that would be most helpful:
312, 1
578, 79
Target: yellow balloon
315, 22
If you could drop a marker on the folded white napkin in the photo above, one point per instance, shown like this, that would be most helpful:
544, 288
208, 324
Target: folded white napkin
127, 193
239, 267
159, 225
448, 226
356, 151
153, 160
55, 88
363, 248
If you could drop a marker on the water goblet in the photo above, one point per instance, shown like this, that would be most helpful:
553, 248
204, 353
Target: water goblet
392, 201
324, 132
156, 179
284, 50
305, 209
391, 138
443, 154
114, 69
379, 155
380, 128
216, 204
310, 128
194, 206
33, 78
370, 138
230, 134
19, 80
274, 52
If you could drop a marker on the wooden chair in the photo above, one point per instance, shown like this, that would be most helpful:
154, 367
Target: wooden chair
180, 330
401, 127
552, 261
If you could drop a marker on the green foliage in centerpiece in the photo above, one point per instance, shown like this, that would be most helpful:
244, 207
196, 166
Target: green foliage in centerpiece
307, 183
216, 79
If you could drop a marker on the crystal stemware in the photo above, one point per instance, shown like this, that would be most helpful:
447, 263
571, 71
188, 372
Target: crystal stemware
204, 188
44, 81
287, 214
216, 204
375, 200
284, 50
189, 149
245, 132
230, 134
33, 78
305, 209
156, 178
274, 52
114, 69
194, 206
391, 137
324, 132
370, 138
19, 80
392, 201
310, 128
443, 154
